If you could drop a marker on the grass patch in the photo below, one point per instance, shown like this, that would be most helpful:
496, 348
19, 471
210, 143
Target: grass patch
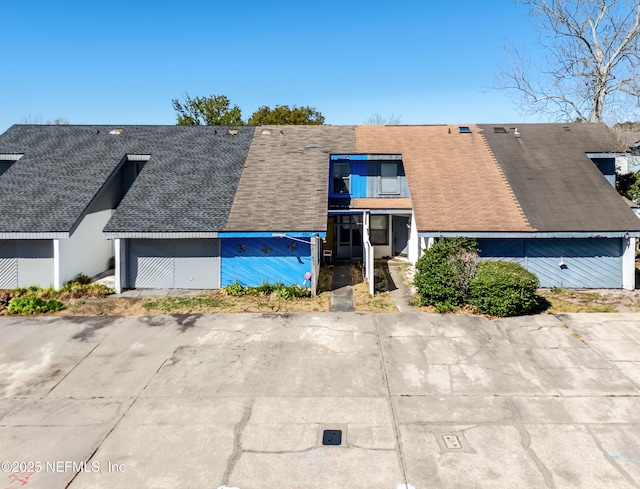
381, 302
559, 300
185, 305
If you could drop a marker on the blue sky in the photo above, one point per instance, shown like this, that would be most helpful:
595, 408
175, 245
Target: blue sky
121, 62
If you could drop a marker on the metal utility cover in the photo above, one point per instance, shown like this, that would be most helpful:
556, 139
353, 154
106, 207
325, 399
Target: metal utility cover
332, 437
453, 442
332, 434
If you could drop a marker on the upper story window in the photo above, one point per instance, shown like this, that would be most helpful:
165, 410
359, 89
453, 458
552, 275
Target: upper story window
341, 182
6, 160
389, 181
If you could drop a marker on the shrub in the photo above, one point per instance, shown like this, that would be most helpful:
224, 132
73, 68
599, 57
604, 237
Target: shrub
235, 289
32, 304
504, 289
288, 292
75, 290
444, 272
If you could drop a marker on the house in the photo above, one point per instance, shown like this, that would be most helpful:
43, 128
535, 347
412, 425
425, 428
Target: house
58, 188
205, 207
534, 194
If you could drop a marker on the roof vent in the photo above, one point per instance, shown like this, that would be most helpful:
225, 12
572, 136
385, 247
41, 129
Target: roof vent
499, 130
516, 133
233, 132
464, 129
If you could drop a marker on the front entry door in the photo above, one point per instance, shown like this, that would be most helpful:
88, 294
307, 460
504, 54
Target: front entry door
348, 233
400, 235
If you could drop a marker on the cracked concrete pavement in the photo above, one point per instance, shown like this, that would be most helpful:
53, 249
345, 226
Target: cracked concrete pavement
424, 401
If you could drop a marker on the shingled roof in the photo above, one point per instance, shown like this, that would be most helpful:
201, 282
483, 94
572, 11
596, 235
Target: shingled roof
187, 185
555, 183
454, 181
60, 172
284, 182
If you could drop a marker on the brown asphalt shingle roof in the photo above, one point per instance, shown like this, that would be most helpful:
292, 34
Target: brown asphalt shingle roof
454, 181
283, 186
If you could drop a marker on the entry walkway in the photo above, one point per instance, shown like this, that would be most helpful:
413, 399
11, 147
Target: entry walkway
342, 298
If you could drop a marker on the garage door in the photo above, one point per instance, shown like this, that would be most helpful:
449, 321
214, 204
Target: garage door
173, 263
569, 263
26, 262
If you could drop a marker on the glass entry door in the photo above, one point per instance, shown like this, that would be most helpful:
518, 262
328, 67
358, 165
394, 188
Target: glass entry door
348, 236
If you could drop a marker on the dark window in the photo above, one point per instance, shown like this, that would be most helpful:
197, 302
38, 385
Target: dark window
379, 229
341, 178
464, 129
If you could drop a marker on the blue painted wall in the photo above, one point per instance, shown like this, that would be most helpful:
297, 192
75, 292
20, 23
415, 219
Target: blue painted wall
588, 263
365, 180
253, 261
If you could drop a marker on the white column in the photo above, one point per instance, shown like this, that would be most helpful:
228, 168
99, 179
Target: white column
56, 265
629, 264
119, 267
413, 253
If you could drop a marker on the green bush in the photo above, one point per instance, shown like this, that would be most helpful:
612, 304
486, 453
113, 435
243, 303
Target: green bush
282, 291
31, 304
444, 272
235, 289
504, 289
75, 290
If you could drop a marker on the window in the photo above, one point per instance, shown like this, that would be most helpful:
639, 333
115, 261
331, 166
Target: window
379, 229
389, 178
341, 178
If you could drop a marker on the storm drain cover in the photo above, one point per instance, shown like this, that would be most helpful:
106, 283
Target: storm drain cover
453, 442
332, 437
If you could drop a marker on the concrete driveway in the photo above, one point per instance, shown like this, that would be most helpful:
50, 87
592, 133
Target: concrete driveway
423, 401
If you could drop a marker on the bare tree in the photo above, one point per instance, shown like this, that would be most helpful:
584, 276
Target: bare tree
589, 71
59, 121
377, 119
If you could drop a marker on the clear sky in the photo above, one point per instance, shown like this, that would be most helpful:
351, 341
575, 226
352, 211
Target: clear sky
121, 62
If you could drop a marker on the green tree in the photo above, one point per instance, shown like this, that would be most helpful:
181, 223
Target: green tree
284, 115
214, 110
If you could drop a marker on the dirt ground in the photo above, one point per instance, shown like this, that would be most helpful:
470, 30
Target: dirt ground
591, 300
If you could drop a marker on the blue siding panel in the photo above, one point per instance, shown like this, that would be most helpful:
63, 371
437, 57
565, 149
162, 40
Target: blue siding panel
503, 249
586, 263
358, 179
252, 262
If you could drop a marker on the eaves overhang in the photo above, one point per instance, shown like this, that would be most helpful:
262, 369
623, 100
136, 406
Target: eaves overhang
38, 235
526, 235
158, 235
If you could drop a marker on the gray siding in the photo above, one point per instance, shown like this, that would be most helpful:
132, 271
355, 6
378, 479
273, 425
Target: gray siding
587, 263
26, 262
174, 263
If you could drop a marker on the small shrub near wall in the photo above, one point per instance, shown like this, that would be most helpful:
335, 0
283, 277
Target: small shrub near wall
444, 272
504, 289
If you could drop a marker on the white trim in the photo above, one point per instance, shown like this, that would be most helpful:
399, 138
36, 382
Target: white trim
36, 235
159, 235
118, 265
545, 234
629, 264
56, 265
